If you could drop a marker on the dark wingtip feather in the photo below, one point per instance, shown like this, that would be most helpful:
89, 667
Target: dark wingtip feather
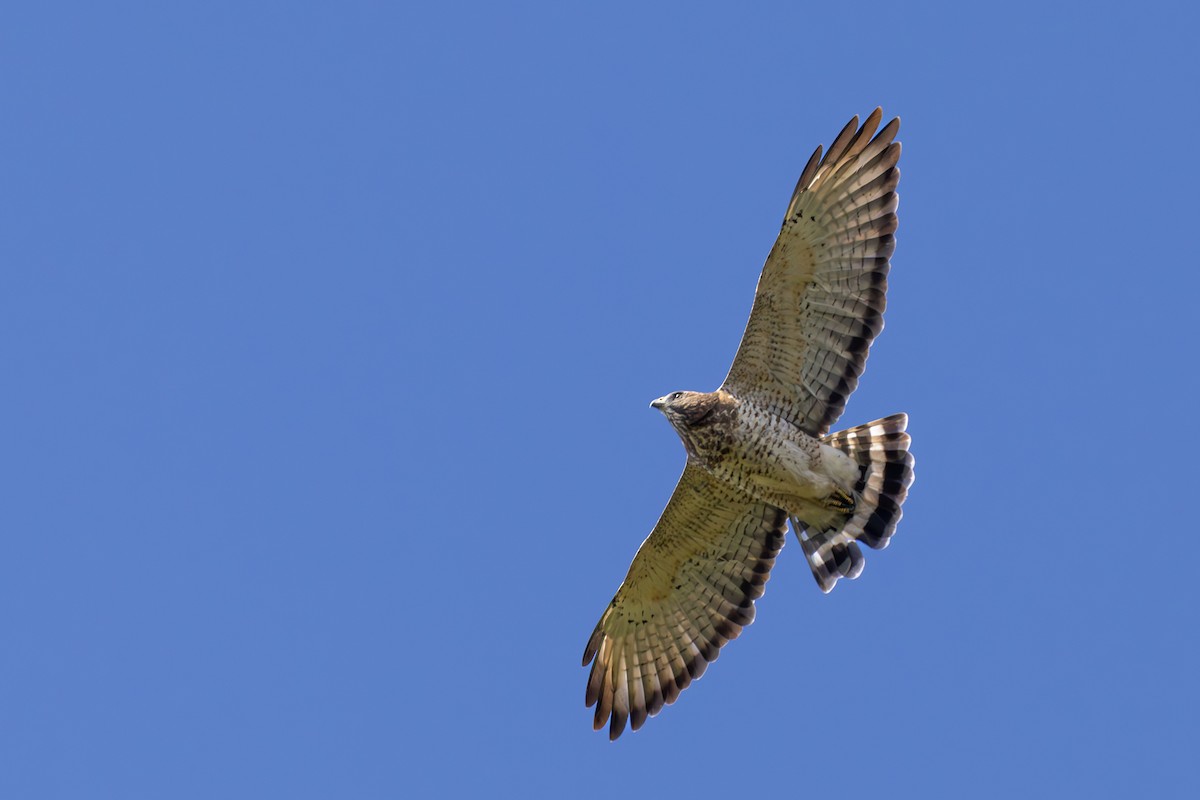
637, 716
806, 177
619, 717
890, 130
842, 141
589, 652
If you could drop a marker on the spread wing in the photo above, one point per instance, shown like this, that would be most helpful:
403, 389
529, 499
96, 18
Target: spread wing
691, 589
820, 300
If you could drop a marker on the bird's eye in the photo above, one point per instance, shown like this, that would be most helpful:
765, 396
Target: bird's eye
676, 395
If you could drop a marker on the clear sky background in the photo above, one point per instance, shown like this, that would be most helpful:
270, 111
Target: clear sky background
327, 337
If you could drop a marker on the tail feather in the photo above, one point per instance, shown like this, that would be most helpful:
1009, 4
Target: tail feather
880, 449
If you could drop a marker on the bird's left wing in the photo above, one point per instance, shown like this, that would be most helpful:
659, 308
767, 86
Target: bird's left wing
820, 299
691, 589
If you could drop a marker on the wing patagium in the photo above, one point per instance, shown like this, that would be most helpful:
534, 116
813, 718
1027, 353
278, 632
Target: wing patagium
820, 300
691, 588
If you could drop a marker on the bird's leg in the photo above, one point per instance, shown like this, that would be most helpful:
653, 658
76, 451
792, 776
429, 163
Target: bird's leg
840, 500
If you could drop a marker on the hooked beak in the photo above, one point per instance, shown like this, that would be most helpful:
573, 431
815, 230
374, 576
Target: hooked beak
659, 403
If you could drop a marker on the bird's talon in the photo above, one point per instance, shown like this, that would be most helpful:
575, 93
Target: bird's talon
840, 501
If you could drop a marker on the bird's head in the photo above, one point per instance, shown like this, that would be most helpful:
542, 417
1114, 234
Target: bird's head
688, 410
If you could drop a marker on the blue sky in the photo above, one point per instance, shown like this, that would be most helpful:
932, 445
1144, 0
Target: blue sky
328, 334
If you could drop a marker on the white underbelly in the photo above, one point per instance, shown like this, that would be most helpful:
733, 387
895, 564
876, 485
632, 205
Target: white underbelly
797, 469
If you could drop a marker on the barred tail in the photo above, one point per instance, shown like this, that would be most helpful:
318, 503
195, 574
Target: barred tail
885, 472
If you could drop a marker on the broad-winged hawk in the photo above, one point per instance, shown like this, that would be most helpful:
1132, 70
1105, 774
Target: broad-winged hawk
759, 451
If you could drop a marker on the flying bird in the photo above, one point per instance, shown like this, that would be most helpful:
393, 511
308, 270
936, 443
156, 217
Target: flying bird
759, 450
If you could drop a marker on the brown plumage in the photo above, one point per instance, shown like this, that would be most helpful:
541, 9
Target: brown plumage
758, 448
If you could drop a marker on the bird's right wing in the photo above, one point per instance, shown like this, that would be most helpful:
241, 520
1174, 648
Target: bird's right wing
691, 588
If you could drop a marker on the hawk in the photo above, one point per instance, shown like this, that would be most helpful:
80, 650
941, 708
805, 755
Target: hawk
759, 451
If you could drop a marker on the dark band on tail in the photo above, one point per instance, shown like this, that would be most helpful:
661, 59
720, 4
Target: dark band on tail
831, 555
885, 472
